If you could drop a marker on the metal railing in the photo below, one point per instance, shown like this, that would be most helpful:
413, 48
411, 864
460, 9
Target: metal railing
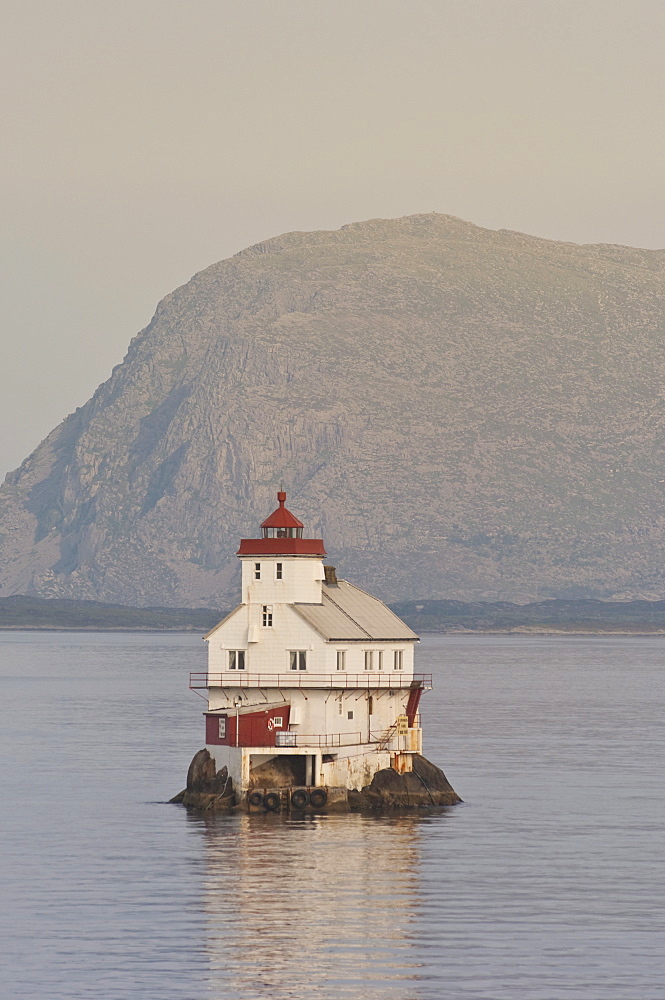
303, 679
394, 734
382, 733
384, 737
318, 740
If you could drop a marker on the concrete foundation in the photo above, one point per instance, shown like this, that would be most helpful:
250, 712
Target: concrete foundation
347, 767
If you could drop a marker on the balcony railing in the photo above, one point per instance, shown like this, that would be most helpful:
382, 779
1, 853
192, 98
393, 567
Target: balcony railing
318, 740
389, 739
303, 679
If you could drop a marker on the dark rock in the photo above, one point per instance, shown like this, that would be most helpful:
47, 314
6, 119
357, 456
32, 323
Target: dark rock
434, 778
423, 787
355, 800
201, 771
207, 789
219, 785
207, 802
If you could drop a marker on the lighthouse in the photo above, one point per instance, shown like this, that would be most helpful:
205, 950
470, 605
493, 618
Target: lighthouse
310, 683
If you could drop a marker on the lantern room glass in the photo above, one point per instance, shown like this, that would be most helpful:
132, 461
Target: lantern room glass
281, 532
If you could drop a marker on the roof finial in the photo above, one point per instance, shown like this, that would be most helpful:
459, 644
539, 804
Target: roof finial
281, 496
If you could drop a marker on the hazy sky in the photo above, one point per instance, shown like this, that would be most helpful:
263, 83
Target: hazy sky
146, 139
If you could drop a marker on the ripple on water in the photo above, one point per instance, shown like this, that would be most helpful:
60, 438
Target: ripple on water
545, 884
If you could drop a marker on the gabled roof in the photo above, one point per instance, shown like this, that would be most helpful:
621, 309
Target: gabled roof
348, 614
223, 621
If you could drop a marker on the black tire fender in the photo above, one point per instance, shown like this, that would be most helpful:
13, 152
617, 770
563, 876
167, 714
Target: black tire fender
272, 801
318, 797
299, 798
255, 799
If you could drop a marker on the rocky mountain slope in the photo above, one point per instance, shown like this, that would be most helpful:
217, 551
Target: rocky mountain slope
460, 412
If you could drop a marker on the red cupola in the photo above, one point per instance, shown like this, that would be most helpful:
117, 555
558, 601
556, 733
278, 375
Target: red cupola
281, 534
281, 523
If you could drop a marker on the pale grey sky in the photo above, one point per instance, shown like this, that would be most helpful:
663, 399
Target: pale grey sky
146, 139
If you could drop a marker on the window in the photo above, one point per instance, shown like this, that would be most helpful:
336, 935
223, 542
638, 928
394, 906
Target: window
298, 659
278, 571
398, 659
370, 705
257, 571
267, 615
341, 659
281, 532
222, 728
369, 659
236, 659
379, 660
341, 704
349, 715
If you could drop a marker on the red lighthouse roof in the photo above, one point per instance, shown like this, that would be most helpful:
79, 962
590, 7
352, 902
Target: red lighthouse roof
281, 534
282, 518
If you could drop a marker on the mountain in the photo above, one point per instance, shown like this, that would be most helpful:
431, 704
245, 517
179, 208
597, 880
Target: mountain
461, 413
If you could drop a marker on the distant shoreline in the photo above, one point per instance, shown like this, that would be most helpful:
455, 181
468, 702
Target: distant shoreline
557, 616
457, 633
543, 631
93, 628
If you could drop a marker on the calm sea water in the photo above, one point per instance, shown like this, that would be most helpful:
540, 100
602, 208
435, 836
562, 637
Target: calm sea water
546, 884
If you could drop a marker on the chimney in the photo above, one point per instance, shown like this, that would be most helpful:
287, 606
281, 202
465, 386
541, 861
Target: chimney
331, 576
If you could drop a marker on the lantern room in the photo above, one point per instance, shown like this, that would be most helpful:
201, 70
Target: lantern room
281, 566
282, 534
282, 523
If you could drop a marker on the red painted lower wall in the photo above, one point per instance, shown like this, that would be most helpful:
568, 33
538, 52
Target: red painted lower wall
255, 729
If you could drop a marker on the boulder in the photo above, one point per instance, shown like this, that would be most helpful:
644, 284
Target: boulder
207, 789
422, 788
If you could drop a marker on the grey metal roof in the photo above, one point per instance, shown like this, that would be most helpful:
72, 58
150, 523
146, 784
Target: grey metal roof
348, 614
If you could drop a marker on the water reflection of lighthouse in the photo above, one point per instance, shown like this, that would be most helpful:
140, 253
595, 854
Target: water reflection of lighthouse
323, 914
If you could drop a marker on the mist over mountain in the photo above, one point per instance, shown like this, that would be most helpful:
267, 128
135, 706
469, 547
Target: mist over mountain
460, 413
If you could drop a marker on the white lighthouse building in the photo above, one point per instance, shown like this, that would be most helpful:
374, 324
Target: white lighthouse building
310, 680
